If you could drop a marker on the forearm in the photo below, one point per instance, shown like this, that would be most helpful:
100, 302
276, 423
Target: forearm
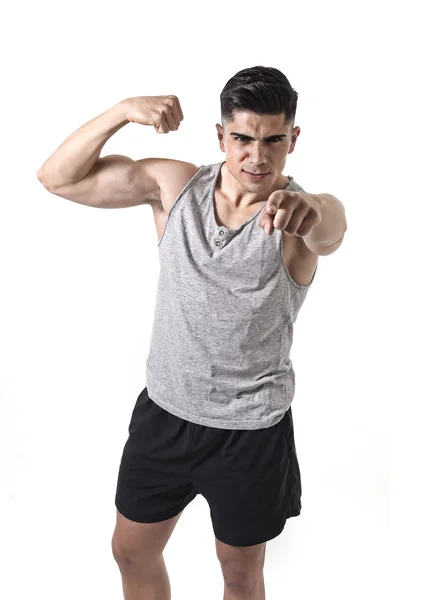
333, 223
78, 154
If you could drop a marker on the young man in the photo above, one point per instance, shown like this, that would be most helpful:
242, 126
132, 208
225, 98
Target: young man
215, 417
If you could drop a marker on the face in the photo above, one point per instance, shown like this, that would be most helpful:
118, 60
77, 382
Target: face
247, 151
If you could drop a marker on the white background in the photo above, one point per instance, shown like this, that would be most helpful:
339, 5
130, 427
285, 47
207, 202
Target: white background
78, 289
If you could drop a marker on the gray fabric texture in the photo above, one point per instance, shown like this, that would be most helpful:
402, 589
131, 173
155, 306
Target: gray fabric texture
223, 324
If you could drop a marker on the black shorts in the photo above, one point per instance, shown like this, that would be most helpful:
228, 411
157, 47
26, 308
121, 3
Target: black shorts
250, 478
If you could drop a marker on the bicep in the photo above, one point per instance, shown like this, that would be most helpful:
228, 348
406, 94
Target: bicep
115, 181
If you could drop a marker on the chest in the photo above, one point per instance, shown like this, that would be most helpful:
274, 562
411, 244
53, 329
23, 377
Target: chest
297, 257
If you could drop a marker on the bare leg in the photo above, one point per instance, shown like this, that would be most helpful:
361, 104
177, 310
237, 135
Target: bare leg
148, 582
138, 551
254, 590
242, 569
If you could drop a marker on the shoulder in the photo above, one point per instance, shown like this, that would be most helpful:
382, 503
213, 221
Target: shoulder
294, 185
170, 176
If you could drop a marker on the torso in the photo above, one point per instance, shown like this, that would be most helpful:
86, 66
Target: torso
298, 258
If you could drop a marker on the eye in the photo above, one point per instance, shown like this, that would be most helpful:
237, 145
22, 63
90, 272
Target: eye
243, 139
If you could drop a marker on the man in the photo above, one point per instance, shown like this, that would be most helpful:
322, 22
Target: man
239, 244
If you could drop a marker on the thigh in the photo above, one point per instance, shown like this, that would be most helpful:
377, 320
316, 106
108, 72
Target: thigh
153, 480
252, 484
141, 542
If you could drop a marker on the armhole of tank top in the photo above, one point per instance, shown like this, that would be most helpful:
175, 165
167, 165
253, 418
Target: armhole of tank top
297, 286
175, 202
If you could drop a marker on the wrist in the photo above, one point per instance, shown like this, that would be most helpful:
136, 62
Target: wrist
122, 109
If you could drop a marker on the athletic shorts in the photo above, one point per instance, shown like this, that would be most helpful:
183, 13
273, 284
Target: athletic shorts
250, 478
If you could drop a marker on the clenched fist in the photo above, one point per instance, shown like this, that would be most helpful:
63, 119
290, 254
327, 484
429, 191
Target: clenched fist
163, 112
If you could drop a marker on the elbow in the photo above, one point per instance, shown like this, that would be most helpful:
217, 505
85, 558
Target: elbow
42, 177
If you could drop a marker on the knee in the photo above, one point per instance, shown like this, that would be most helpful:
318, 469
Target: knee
242, 580
242, 567
243, 583
128, 558
122, 555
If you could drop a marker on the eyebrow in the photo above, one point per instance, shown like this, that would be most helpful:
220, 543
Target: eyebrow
265, 139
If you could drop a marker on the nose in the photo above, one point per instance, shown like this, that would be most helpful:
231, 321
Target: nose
257, 155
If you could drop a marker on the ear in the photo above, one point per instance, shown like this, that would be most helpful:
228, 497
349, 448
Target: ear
220, 136
295, 134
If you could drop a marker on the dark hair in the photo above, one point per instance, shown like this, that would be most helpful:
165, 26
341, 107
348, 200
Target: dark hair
262, 90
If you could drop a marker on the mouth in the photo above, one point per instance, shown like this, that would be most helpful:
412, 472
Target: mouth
256, 176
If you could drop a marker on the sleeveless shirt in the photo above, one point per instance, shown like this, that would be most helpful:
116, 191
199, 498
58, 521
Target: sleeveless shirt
223, 323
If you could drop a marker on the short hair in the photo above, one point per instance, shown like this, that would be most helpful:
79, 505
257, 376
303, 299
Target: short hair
262, 90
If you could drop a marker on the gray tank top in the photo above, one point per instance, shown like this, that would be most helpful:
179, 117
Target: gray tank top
223, 324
